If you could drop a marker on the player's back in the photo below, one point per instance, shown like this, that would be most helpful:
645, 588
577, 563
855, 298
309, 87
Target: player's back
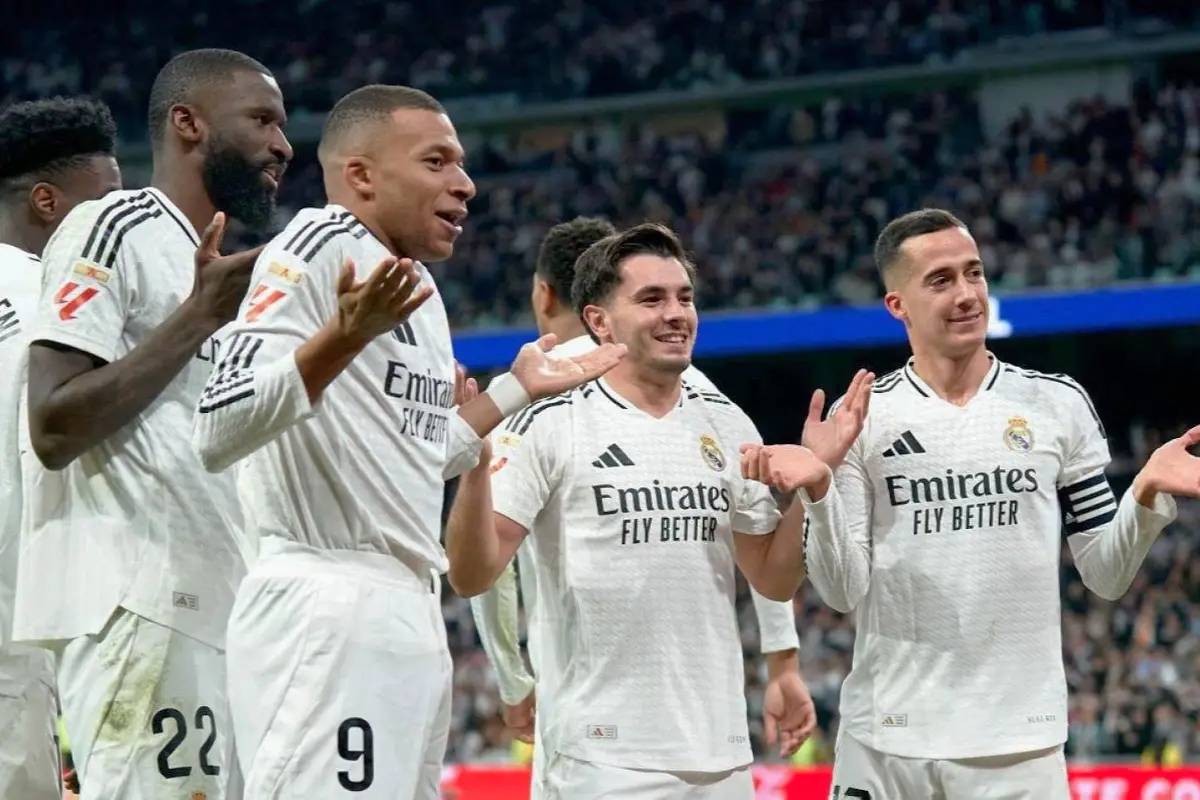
364, 472
134, 521
20, 284
635, 566
958, 647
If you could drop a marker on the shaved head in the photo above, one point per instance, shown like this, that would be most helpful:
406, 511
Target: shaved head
188, 74
358, 115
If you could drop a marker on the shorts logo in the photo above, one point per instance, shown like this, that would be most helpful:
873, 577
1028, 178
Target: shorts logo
895, 721
711, 453
602, 731
188, 601
1018, 436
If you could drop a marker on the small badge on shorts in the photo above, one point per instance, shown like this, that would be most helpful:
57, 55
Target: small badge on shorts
895, 721
711, 453
1018, 436
602, 731
188, 601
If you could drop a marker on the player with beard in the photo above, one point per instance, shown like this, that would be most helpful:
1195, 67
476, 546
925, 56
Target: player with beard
942, 531
131, 552
631, 486
54, 154
495, 610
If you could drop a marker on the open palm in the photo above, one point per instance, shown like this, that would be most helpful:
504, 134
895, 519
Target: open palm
1173, 470
544, 375
830, 439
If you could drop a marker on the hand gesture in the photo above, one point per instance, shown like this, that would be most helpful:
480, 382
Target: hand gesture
221, 281
543, 375
1171, 469
789, 716
388, 297
465, 389
830, 439
785, 467
520, 718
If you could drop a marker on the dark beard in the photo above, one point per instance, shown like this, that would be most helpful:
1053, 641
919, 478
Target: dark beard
235, 186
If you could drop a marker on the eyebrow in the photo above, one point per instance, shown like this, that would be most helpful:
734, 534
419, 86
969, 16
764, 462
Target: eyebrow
659, 288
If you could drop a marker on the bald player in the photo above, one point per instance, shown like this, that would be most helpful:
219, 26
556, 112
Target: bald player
338, 388
131, 553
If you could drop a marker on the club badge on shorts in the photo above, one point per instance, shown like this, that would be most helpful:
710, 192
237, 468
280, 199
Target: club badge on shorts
1018, 436
711, 453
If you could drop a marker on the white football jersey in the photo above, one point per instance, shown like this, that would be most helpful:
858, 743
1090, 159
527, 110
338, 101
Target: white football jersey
364, 468
20, 285
943, 535
134, 522
640, 659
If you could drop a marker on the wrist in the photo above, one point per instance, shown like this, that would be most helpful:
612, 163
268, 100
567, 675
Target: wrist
820, 487
204, 323
508, 394
783, 662
1144, 489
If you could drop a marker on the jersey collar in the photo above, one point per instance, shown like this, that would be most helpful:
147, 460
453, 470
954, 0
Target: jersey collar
923, 389
173, 211
610, 395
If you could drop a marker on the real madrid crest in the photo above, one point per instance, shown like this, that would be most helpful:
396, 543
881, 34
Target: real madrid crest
1018, 436
711, 453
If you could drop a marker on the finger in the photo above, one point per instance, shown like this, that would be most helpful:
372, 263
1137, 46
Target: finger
472, 389
1192, 437
770, 727
747, 447
460, 383
401, 282
816, 406
414, 302
764, 465
527, 738
865, 404
244, 260
346, 277
547, 342
851, 398
214, 234
379, 275
750, 465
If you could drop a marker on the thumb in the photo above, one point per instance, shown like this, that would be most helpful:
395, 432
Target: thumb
816, 406
547, 342
1192, 437
770, 727
346, 277
210, 242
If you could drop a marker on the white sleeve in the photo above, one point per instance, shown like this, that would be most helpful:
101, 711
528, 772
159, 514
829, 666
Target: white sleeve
837, 532
1109, 540
776, 624
256, 391
755, 511
525, 461
497, 619
86, 294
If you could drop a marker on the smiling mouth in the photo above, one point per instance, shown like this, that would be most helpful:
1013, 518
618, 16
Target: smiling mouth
454, 218
673, 338
964, 320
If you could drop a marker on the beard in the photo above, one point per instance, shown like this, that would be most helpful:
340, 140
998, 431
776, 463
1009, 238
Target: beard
235, 185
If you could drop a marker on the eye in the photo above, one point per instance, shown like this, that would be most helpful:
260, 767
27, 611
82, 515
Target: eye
437, 162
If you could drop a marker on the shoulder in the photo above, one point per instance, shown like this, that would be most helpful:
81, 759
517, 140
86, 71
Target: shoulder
696, 379
724, 414
95, 230
315, 234
1052, 391
545, 414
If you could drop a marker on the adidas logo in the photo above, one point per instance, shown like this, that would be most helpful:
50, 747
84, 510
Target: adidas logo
905, 445
613, 456
403, 333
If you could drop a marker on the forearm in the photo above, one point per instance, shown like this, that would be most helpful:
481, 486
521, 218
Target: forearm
325, 356
496, 618
838, 562
783, 662
473, 545
1109, 555
95, 404
776, 624
780, 570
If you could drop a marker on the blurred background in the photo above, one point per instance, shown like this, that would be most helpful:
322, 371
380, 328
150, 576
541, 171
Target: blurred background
777, 137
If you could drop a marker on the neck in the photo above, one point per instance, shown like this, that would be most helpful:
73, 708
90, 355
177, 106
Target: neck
364, 216
185, 189
20, 234
565, 327
652, 391
954, 379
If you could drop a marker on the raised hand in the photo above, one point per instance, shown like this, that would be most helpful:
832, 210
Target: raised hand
830, 438
388, 297
543, 375
465, 389
785, 467
221, 281
1171, 469
789, 716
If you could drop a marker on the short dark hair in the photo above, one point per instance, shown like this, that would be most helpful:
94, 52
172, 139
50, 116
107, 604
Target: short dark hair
598, 270
41, 138
909, 226
373, 103
562, 247
184, 74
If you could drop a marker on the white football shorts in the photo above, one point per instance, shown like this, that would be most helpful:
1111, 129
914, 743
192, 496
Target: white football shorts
340, 676
568, 778
146, 710
860, 773
29, 762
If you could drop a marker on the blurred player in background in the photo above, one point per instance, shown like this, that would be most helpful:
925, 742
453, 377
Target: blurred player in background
341, 395
130, 552
942, 532
496, 609
640, 521
54, 154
